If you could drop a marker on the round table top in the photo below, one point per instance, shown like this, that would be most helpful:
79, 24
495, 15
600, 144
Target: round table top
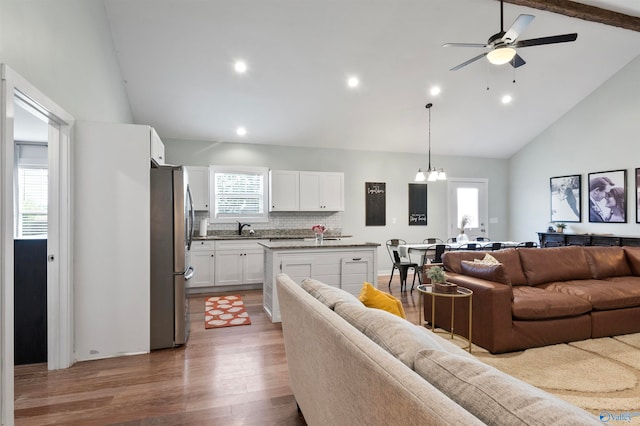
461, 291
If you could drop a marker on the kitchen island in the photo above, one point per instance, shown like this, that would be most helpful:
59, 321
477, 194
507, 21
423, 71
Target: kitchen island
344, 264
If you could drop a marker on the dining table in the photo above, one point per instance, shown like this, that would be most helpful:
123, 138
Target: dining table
421, 249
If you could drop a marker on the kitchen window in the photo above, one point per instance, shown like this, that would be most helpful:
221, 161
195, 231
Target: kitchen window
31, 189
238, 194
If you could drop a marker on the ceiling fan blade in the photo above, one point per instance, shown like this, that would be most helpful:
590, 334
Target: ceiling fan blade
517, 28
465, 45
465, 63
517, 61
563, 38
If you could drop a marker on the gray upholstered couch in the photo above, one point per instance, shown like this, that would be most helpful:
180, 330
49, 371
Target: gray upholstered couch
353, 365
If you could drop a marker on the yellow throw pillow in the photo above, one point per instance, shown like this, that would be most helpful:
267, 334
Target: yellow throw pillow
374, 298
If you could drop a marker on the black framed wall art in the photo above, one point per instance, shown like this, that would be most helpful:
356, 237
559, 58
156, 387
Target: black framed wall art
566, 198
417, 204
375, 194
608, 196
637, 195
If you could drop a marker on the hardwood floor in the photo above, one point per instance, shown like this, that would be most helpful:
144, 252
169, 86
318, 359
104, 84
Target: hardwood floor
233, 375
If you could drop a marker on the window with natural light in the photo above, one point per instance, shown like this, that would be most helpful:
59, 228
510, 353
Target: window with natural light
238, 194
32, 190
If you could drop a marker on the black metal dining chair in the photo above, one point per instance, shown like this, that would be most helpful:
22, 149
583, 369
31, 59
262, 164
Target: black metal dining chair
401, 265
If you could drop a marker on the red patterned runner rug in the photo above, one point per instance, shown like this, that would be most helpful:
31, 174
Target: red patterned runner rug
225, 311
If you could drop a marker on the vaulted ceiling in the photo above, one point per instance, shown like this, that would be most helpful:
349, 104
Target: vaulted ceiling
177, 59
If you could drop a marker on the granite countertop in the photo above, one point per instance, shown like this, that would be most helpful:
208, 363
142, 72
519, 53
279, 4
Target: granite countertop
326, 244
266, 236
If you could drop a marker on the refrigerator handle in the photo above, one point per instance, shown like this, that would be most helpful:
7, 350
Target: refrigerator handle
192, 218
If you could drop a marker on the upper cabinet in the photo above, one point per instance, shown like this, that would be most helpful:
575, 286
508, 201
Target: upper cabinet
321, 191
284, 190
199, 185
157, 148
306, 191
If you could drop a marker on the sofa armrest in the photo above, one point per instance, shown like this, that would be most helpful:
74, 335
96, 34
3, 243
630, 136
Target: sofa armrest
492, 314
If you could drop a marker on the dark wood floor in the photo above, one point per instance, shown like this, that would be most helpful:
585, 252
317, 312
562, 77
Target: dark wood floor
233, 375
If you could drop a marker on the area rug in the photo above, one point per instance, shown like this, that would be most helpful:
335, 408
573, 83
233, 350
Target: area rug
225, 311
601, 376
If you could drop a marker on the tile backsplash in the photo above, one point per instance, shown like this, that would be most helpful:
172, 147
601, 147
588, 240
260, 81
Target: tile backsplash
283, 221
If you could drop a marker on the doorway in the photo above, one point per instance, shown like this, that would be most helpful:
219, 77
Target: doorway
17, 93
467, 200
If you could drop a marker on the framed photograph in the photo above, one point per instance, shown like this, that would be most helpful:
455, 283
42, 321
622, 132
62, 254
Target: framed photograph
566, 198
637, 195
608, 196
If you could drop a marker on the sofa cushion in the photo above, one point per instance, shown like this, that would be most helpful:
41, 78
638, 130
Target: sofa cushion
493, 396
612, 293
395, 335
547, 265
508, 257
330, 296
484, 271
534, 303
607, 262
633, 259
374, 298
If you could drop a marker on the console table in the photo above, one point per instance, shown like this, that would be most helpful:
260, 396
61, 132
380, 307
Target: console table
563, 239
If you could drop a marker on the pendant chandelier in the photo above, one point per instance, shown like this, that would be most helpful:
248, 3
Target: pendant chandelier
432, 174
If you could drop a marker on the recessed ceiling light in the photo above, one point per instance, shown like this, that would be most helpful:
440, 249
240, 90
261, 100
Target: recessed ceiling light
353, 82
435, 90
506, 99
240, 67
241, 131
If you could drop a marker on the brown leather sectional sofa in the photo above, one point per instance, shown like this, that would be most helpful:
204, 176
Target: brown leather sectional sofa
540, 297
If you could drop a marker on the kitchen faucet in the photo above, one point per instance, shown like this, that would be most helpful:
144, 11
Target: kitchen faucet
241, 226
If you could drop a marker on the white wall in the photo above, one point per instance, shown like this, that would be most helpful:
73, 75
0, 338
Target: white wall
64, 48
601, 133
396, 169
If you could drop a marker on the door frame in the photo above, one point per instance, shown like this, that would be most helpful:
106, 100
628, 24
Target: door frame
59, 239
483, 205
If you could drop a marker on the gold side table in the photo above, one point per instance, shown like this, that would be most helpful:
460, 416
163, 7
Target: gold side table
462, 292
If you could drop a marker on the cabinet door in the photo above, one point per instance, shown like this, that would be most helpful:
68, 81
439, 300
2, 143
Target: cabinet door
253, 267
310, 191
284, 190
354, 271
157, 148
297, 268
199, 184
203, 263
332, 191
229, 267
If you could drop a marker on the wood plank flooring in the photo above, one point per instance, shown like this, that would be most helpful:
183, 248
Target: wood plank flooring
233, 375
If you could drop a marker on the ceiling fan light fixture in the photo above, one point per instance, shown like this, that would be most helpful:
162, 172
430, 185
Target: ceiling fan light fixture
501, 55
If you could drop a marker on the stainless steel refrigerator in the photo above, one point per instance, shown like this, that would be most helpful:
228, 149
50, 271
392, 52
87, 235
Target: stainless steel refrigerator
172, 220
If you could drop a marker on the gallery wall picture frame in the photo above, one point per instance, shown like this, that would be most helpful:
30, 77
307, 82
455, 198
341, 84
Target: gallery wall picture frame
608, 197
566, 198
638, 195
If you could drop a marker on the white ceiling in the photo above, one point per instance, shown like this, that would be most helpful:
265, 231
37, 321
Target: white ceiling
177, 57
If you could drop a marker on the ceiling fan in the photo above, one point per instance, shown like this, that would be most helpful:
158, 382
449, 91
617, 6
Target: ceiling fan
502, 46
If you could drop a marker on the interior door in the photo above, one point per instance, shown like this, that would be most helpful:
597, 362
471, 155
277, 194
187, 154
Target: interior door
467, 198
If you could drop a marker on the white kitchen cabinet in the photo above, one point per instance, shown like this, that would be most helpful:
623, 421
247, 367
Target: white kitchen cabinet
203, 262
321, 191
157, 148
199, 185
284, 190
239, 262
343, 265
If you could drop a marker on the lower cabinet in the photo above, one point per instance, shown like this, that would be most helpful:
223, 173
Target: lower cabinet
346, 268
226, 263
